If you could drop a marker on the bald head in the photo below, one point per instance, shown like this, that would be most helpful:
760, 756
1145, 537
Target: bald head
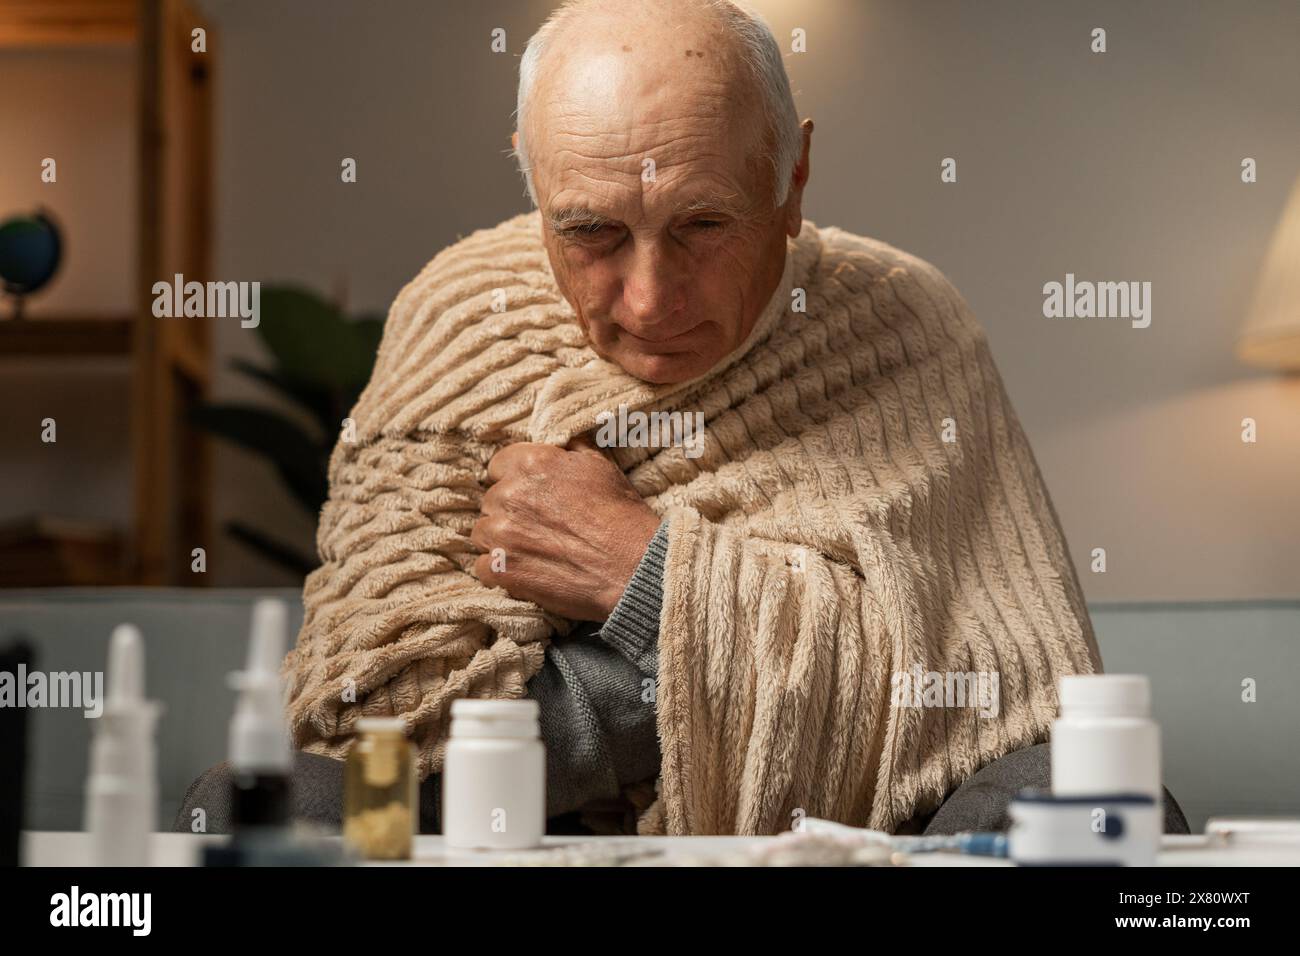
674, 45
652, 150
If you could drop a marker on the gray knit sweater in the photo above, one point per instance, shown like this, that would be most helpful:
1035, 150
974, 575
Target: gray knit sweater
596, 695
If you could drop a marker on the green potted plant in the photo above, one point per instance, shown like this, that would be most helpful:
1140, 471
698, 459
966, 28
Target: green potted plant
321, 362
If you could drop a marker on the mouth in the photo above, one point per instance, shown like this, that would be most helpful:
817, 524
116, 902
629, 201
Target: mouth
666, 343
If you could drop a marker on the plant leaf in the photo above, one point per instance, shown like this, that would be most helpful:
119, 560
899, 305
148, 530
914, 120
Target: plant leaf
308, 492
300, 460
311, 340
282, 554
318, 401
368, 331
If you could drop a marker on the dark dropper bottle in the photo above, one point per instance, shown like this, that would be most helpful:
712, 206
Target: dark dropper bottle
260, 754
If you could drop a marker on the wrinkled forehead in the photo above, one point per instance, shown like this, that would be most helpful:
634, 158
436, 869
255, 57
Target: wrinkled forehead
623, 122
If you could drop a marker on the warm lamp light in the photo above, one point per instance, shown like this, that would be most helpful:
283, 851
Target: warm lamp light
1271, 336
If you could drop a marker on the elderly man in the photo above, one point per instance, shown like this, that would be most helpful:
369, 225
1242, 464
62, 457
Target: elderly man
796, 614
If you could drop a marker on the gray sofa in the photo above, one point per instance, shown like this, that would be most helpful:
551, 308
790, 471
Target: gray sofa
1222, 755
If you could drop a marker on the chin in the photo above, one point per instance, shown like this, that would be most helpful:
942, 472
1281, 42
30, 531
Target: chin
664, 369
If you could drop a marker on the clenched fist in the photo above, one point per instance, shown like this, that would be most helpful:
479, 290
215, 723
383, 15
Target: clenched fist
569, 526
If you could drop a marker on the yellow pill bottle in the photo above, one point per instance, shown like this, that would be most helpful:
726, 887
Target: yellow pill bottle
379, 790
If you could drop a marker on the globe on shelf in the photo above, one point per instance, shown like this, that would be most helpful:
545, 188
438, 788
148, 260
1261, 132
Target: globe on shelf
30, 249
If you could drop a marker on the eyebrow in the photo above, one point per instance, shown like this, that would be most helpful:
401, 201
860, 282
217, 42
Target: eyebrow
722, 205
573, 216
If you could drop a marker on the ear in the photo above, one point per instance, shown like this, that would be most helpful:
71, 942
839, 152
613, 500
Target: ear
799, 179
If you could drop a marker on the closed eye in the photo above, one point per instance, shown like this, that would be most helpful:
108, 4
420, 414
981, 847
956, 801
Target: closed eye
586, 230
708, 226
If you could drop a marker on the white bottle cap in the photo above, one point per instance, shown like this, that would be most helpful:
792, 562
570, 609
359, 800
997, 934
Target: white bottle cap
259, 734
472, 717
1106, 695
123, 737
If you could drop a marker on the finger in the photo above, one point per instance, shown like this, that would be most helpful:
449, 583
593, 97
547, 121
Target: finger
505, 461
521, 456
584, 443
483, 571
493, 500
483, 533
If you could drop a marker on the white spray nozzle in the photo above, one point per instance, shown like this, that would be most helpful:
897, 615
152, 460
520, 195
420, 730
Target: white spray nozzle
125, 665
266, 646
259, 736
266, 650
122, 787
125, 698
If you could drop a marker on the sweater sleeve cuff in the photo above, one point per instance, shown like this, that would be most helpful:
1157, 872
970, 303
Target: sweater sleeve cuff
633, 626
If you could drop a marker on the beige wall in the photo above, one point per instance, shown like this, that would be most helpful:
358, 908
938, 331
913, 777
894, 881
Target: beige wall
1119, 166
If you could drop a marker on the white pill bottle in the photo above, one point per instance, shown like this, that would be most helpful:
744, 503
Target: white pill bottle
494, 776
1105, 742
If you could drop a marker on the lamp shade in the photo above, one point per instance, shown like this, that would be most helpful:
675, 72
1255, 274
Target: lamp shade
1271, 336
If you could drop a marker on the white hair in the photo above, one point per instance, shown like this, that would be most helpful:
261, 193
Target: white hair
758, 51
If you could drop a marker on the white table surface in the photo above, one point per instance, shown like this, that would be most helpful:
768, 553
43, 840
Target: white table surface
70, 848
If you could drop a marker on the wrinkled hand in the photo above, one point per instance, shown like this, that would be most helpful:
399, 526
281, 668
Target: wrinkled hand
569, 526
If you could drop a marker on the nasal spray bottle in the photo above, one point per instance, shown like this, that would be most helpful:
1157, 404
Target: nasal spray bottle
122, 789
261, 759
260, 755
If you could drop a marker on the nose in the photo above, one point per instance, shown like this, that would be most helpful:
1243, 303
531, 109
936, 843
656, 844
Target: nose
654, 292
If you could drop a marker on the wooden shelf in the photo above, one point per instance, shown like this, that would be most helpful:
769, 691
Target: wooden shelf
169, 361
43, 551
66, 336
42, 24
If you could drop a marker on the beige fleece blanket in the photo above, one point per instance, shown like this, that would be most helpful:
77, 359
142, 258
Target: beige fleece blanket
865, 535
